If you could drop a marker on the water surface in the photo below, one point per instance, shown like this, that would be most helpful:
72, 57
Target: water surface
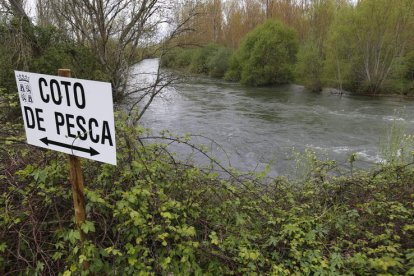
258, 126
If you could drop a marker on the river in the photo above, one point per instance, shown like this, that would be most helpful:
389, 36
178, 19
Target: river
261, 126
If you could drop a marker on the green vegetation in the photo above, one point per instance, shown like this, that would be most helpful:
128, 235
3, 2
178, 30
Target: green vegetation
367, 46
312, 53
218, 63
265, 57
152, 215
46, 50
212, 60
363, 47
309, 68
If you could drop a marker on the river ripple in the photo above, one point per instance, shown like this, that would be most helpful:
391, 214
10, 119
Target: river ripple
258, 126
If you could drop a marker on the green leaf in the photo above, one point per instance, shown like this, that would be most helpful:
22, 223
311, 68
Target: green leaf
88, 226
213, 238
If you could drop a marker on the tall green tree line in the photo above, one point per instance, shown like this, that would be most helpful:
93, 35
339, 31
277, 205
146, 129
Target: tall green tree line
364, 46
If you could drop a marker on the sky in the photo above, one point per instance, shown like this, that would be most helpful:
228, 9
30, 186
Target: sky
31, 7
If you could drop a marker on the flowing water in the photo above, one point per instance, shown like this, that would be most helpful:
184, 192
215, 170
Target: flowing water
260, 126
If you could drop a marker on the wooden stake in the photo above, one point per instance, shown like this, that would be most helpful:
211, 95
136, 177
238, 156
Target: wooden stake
76, 180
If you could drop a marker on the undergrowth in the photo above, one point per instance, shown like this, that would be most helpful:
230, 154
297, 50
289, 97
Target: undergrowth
153, 215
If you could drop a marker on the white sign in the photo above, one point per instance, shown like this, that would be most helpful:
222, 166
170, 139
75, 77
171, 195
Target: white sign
68, 115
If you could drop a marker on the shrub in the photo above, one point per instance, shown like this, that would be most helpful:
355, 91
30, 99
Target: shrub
199, 62
309, 67
218, 63
266, 56
151, 215
184, 57
233, 73
211, 59
178, 58
168, 60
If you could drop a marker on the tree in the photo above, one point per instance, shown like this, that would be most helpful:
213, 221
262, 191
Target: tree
114, 30
233, 29
266, 56
312, 53
98, 39
309, 67
206, 22
368, 41
291, 12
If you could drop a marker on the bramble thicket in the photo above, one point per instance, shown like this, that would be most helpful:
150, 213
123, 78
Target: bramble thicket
153, 214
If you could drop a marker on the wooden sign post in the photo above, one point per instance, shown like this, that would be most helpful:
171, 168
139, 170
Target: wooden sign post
76, 180
72, 116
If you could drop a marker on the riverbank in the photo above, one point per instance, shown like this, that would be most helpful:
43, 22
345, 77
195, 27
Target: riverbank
154, 214
185, 71
217, 61
338, 92
399, 96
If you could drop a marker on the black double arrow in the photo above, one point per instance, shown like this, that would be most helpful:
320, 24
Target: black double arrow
91, 150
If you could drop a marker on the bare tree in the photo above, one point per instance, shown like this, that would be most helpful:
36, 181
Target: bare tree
119, 32
115, 30
15, 7
19, 38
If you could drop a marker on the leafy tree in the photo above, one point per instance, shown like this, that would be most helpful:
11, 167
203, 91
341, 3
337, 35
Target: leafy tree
368, 41
309, 66
312, 53
266, 56
234, 29
206, 27
409, 72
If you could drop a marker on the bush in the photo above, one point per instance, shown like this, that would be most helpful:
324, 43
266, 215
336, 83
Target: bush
309, 67
218, 63
233, 73
199, 62
184, 58
152, 215
212, 60
178, 58
266, 56
168, 60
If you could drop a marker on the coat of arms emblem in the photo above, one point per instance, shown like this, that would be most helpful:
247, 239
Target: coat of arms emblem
25, 90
